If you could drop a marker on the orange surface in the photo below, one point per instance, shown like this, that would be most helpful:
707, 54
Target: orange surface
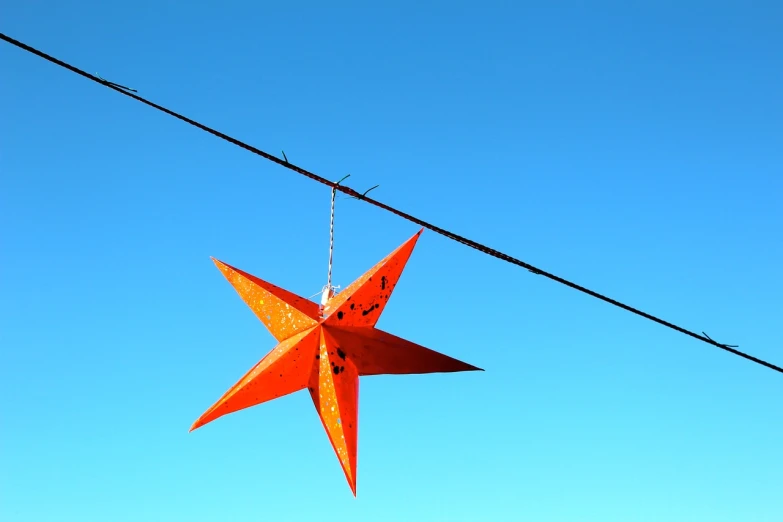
327, 351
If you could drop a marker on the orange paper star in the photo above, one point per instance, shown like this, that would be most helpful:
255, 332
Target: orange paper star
326, 350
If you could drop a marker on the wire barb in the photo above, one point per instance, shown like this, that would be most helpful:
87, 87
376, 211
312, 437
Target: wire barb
353, 193
112, 84
721, 344
364, 194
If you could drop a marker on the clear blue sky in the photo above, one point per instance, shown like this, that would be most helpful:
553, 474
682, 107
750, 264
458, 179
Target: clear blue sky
635, 150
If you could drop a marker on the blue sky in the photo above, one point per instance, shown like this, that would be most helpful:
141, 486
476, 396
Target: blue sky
637, 150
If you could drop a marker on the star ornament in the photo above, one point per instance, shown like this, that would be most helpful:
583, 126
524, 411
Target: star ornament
327, 350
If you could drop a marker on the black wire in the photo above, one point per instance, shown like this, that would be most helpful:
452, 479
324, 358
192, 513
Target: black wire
351, 192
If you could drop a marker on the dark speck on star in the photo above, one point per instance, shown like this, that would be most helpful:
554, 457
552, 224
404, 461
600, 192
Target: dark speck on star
341, 354
340, 314
342, 368
317, 356
336, 370
352, 306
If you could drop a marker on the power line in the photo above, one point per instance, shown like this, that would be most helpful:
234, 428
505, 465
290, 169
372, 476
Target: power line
351, 192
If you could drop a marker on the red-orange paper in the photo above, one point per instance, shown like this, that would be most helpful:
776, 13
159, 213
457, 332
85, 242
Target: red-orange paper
327, 350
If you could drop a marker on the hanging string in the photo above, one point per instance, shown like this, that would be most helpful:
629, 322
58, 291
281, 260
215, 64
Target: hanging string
329, 290
363, 197
331, 240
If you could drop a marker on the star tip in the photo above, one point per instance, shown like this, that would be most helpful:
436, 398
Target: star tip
218, 263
